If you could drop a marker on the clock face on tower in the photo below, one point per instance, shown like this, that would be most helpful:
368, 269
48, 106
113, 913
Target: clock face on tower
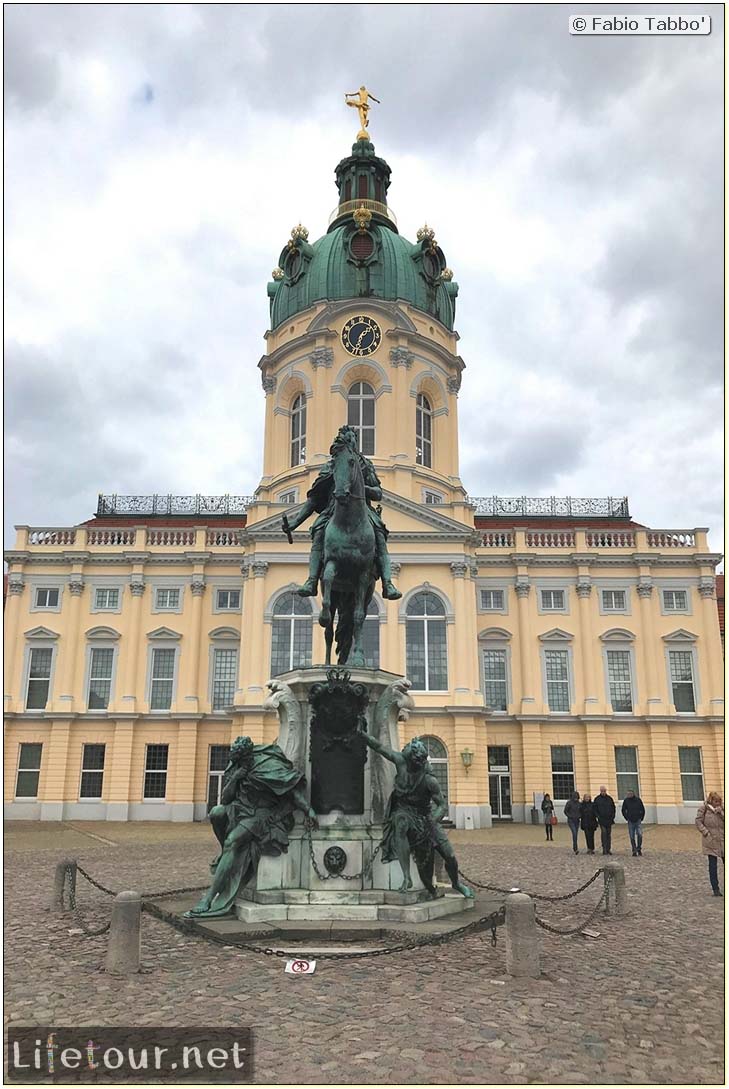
361, 335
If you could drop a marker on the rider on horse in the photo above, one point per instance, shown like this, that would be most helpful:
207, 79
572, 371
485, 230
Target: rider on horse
320, 500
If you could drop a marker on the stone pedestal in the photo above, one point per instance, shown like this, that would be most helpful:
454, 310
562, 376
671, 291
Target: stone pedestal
291, 886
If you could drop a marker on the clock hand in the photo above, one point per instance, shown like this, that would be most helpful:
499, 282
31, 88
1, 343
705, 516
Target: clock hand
359, 338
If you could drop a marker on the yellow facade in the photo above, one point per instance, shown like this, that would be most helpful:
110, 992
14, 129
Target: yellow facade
526, 593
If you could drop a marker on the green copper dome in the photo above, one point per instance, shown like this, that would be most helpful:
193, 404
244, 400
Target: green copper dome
362, 255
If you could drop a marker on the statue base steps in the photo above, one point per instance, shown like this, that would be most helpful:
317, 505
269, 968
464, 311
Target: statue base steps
355, 906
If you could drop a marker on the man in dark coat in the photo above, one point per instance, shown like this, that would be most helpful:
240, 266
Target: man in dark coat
605, 812
634, 811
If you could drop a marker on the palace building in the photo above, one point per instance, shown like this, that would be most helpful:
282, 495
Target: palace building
552, 644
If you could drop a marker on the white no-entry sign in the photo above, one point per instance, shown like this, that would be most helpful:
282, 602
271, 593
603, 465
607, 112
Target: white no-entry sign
300, 967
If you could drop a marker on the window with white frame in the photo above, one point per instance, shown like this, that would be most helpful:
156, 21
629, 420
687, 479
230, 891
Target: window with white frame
626, 769
101, 665
557, 676
361, 415
227, 601
371, 637
495, 688
681, 665
438, 760
218, 758
28, 772
298, 430
225, 674
289, 497
613, 601
155, 772
563, 772
47, 597
291, 634
619, 679
423, 431
552, 600
492, 601
675, 601
162, 678
692, 773
432, 499
426, 643
92, 771
167, 599
40, 661
106, 598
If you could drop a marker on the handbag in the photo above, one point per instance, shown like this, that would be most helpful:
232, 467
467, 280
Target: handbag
553, 819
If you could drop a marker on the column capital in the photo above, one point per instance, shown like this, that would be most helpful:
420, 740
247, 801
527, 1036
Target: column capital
645, 587
76, 586
459, 569
401, 357
137, 586
707, 587
258, 568
522, 586
16, 584
197, 586
322, 357
269, 384
583, 587
395, 567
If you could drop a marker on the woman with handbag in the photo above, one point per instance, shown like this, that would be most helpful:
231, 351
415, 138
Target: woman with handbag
549, 818
588, 822
710, 822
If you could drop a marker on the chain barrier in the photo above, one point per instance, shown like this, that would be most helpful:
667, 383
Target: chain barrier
192, 929
68, 884
144, 895
364, 873
534, 895
568, 933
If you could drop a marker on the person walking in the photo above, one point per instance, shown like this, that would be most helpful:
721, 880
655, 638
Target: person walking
710, 822
588, 820
605, 813
634, 812
572, 813
548, 811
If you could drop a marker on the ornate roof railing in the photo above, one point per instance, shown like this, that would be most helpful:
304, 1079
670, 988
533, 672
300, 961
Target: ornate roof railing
348, 206
496, 506
208, 505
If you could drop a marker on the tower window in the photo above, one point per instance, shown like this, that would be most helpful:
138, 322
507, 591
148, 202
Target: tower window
298, 430
423, 431
362, 186
348, 189
361, 415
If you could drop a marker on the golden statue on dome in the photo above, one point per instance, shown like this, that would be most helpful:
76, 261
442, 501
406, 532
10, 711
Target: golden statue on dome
361, 104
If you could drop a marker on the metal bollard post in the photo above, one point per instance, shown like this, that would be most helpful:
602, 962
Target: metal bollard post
124, 951
616, 901
522, 941
59, 883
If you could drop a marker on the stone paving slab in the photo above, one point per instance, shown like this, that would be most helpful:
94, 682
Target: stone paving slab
641, 1004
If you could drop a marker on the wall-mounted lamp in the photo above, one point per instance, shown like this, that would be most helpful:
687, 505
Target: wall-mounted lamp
467, 758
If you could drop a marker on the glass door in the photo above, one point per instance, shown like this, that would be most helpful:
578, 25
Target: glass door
499, 782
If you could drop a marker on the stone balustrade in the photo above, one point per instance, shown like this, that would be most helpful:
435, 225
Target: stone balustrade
170, 536
671, 538
111, 536
51, 536
550, 538
223, 538
498, 538
610, 538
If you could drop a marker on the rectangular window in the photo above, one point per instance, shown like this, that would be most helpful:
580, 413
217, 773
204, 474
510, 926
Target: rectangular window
675, 601
39, 678
29, 762
427, 654
692, 775
155, 771
228, 599
433, 499
556, 667
626, 769
492, 600
225, 673
92, 771
287, 497
553, 600
613, 601
46, 598
163, 674
106, 599
619, 680
494, 678
100, 670
371, 641
217, 763
167, 598
563, 772
682, 679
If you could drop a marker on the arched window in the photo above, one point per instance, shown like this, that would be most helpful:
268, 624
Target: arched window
423, 431
425, 639
371, 637
298, 430
361, 415
290, 634
438, 759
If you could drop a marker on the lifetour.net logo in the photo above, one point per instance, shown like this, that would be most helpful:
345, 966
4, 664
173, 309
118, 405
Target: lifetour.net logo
118, 1056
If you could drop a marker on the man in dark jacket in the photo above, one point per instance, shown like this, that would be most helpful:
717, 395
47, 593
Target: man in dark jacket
572, 813
634, 811
605, 813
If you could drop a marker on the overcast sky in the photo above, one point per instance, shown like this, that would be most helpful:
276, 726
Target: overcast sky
158, 156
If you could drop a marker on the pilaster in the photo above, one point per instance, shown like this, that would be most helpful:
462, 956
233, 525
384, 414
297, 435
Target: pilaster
120, 771
16, 587
55, 779
655, 703
68, 649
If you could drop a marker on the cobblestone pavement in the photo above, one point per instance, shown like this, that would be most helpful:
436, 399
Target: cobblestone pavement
642, 1003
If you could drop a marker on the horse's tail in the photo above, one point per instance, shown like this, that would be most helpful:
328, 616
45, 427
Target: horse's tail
345, 627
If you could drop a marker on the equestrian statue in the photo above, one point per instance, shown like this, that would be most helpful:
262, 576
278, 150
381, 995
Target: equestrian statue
349, 545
